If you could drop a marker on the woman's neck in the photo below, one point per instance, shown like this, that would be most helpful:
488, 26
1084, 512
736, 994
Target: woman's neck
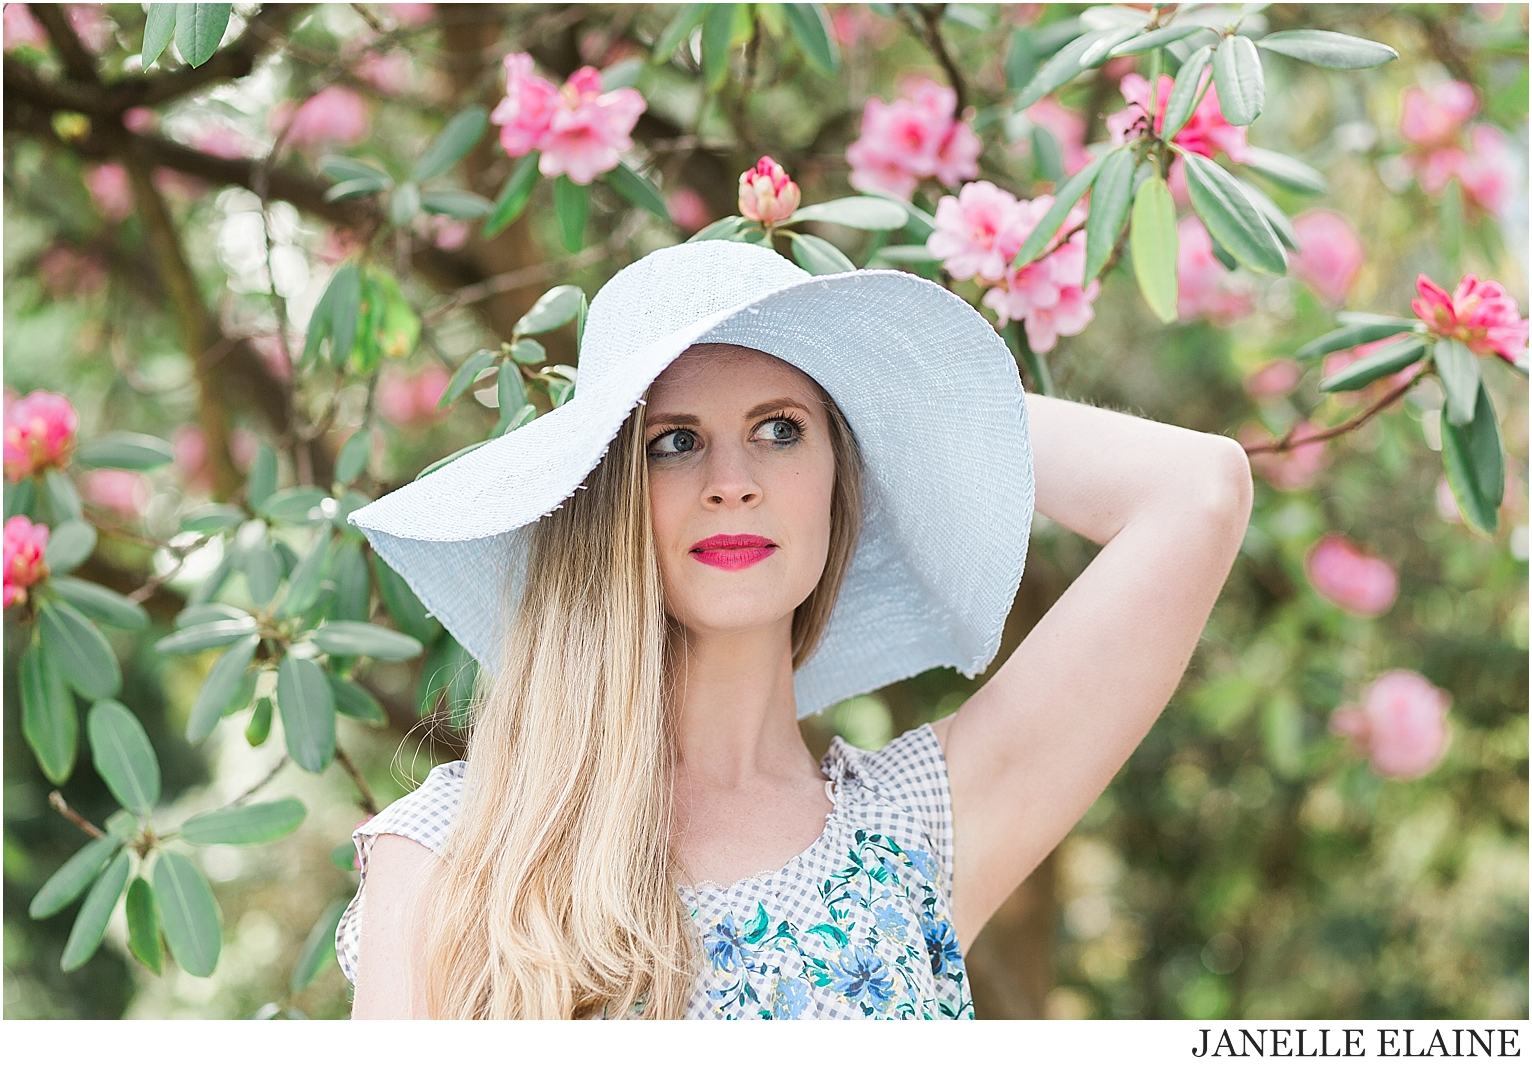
736, 717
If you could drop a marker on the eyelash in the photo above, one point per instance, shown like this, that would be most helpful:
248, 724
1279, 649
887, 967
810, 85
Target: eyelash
781, 416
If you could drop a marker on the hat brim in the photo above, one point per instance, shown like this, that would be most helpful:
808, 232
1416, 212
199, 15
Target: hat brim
935, 401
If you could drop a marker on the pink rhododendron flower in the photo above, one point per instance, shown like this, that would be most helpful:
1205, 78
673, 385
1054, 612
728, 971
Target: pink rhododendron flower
687, 208
917, 136
1205, 133
1288, 470
25, 543
1329, 255
126, 492
1068, 126
39, 433
579, 129
1274, 379
110, 190
22, 30
1478, 313
388, 72
1348, 577
973, 231
413, 14
1205, 289
1489, 172
140, 119
766, 194
1435, 117
333, 115
407, 399
1401, 725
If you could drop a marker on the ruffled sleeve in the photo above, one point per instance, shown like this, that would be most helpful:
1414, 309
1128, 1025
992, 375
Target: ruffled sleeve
424, 816
910, 772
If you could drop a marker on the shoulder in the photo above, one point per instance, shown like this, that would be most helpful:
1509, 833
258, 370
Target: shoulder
910, 774
424, 815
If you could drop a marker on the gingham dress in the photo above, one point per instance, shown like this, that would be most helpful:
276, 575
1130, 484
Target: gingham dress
858, 925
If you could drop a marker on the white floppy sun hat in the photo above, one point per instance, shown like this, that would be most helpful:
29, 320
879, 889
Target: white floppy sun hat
930, 392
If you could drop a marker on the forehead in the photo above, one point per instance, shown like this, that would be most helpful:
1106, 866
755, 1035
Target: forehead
715, 372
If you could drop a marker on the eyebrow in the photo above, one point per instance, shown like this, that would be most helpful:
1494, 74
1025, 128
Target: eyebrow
754, 412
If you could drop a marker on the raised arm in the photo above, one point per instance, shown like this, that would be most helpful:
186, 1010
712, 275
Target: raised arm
390, 955
1032, 749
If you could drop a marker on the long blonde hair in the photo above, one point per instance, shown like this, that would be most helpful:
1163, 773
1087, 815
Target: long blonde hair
557, 895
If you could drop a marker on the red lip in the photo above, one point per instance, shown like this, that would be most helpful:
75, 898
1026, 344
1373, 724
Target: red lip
732, 551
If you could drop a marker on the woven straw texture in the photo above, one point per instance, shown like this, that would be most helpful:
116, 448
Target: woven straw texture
930, 392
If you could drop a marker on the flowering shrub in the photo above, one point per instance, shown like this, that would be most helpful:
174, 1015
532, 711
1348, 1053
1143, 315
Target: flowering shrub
1478, 313
1350, 578
917, 136
578, 129
25, 543
1433, 121
1206, 132
39, 433
1401, 724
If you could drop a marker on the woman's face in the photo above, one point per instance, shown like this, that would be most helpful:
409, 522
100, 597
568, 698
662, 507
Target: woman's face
738, 450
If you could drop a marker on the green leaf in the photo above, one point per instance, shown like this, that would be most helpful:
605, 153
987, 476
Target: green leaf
144, 926
819, 256
725, 229
450, 669
353, 592
717, 29
344, 299
1389, 360
47, 711
1155, 244
124, 451
1110, 196
123, 756
1064, 198
1099, 52
350, 190
1338, 51
1241, 81
1060, 69
1230, 217
1351, 336
1156, 39
687, 19
455, 455
261, 481
464, 376
1280, 224
296, 506
205, 635
1459, 370
188, 913
1474, 461
83, 656
159, 28
199, 28
318, 949
529, 352
219, 689
552, 309
1186, 91
353, 701
904, 253
455, 203
571, 205
63, 498
1021, 350
364, 638
455, 141
353, 456
202, 613
101, 604
1286, 171
343, 169
1047, 154
256, 823
69, 545
303, 584
90, 924
308, 712
212, 518
637, 190
404, 204
810, 28
263, 572
259, 726
69, 880
623, 74
513, 197
857, 212
20, 498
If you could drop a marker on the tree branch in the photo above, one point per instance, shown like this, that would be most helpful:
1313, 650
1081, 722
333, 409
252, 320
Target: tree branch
57, 802
931, 34
80, 63
367, 802
1287, 443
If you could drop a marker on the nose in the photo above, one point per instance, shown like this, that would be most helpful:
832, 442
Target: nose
729, 480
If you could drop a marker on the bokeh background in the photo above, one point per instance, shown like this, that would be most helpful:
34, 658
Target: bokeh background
1248, 862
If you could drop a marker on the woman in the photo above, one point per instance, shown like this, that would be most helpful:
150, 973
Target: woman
795, 490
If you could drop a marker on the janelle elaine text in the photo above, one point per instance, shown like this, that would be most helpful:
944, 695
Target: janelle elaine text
1414, 1042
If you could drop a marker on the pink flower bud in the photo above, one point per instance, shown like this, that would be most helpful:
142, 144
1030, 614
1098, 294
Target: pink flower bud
24, 567
766, 194
1350, 578
39, 433
1479, 313
22, 30
1401, 725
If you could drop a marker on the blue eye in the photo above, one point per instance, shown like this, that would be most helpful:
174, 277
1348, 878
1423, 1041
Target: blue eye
679, 449
777, 435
